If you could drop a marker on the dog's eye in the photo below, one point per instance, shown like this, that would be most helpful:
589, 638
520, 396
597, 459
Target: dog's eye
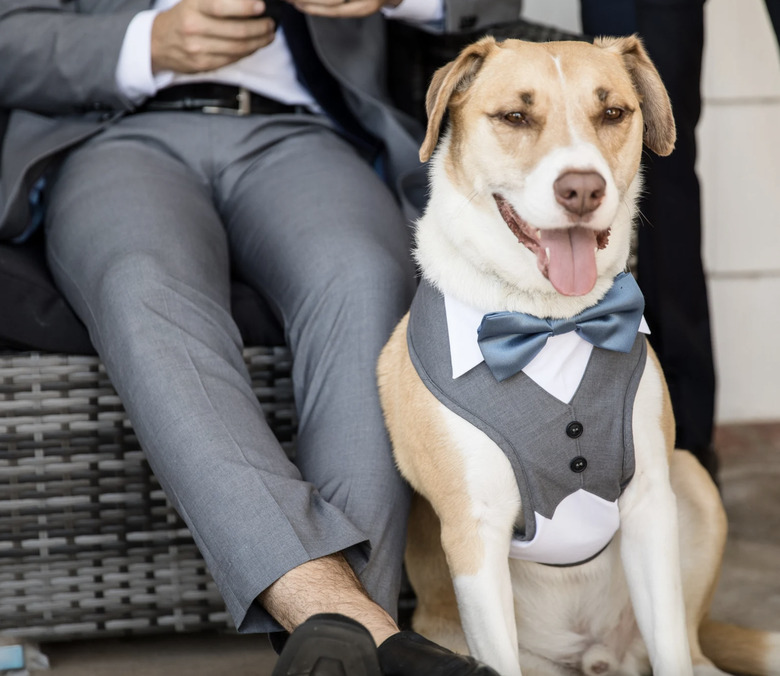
613, 114
516, 117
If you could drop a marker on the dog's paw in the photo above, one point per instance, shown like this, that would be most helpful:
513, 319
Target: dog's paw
598, 660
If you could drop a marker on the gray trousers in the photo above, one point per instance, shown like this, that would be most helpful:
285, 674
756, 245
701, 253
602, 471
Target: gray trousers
143, 225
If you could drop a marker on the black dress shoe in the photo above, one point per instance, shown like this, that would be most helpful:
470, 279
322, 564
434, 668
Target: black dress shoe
329, 645
409, 654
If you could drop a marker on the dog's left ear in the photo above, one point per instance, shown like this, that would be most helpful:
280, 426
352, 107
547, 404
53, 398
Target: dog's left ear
446, 81
660, 131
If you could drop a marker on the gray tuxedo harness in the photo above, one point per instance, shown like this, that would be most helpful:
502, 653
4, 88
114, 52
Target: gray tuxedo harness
555, 448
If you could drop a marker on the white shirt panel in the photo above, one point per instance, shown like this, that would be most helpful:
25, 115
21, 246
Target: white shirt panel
582, 525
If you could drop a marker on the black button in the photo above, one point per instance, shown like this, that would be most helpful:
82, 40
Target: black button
578, 464
574, 429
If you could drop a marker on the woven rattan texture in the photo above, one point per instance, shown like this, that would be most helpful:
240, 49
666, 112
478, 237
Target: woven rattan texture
89, 545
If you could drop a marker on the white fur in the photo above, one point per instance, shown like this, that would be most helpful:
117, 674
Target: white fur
535, 202
455, 238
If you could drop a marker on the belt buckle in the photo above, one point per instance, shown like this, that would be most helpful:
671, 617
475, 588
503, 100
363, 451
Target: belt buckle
243, 107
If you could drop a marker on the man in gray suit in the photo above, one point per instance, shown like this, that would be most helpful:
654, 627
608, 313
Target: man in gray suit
173, 142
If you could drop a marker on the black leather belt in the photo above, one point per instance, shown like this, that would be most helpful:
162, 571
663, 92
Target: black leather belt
216, 99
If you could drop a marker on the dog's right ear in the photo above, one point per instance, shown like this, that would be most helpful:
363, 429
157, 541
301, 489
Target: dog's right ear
456, 76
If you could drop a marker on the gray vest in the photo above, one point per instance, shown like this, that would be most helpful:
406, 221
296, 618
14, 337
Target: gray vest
555, 448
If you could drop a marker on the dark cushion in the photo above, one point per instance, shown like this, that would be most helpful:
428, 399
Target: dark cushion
35, 316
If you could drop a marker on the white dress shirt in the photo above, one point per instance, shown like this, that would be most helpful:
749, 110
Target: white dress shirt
269, 71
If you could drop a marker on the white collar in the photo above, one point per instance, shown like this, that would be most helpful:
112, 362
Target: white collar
558, 368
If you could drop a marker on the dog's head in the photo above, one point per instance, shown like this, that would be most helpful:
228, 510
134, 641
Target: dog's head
538, 169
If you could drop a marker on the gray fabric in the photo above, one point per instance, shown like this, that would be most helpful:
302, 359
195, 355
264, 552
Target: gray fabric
143, 222
528, 423
63, 77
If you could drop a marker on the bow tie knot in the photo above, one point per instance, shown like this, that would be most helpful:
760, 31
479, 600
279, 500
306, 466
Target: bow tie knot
510, 340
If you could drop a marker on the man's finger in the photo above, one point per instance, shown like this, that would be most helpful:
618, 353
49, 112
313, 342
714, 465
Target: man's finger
341, 10
237, 29
231, 9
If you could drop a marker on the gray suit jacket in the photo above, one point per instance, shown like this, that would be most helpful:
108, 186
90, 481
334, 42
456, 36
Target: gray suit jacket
58, 78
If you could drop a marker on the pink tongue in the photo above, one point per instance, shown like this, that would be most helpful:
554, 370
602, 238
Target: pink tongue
572, 264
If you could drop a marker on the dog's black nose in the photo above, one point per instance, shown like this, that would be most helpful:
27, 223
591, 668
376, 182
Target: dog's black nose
580, 192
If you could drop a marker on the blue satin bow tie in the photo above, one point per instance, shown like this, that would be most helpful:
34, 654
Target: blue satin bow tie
510, 340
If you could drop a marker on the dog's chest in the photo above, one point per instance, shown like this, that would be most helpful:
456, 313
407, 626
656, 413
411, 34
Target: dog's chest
571, 460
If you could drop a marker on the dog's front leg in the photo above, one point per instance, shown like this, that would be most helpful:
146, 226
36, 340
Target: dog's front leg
484, 597
650, 554
478, 550
649, 537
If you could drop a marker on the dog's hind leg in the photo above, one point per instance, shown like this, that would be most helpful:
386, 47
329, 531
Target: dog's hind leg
732, 649
702, 526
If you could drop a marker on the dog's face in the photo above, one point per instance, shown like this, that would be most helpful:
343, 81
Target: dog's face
545, 143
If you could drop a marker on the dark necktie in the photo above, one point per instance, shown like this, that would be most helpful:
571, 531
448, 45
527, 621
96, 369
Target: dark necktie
510, 340
321, 84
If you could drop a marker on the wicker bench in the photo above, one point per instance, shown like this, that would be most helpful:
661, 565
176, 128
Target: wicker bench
89, 545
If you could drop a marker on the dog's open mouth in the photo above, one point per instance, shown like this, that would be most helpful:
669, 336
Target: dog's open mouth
565, 256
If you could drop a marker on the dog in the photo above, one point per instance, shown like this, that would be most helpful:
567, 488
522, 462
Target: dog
555, 529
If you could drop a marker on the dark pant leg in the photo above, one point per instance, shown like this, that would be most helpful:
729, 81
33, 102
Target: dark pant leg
608, 17
773, 7
670, 270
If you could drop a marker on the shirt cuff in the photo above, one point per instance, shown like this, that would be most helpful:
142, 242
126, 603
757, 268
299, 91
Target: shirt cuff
134, 75
417, 11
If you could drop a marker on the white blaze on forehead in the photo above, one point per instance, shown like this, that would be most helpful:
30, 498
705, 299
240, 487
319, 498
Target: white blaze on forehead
565, 99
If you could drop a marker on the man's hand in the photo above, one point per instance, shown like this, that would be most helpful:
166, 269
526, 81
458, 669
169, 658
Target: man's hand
343, 8
201, 35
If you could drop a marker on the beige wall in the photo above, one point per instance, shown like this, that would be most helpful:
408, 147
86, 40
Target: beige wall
739, 169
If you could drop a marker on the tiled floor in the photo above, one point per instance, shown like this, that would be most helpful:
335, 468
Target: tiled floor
749, 591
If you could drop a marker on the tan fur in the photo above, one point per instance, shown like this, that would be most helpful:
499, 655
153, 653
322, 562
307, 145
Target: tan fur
414, 425
667, 416
734, 649
438, 615
656, 108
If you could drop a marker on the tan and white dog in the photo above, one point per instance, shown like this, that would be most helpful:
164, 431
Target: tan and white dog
533, 191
